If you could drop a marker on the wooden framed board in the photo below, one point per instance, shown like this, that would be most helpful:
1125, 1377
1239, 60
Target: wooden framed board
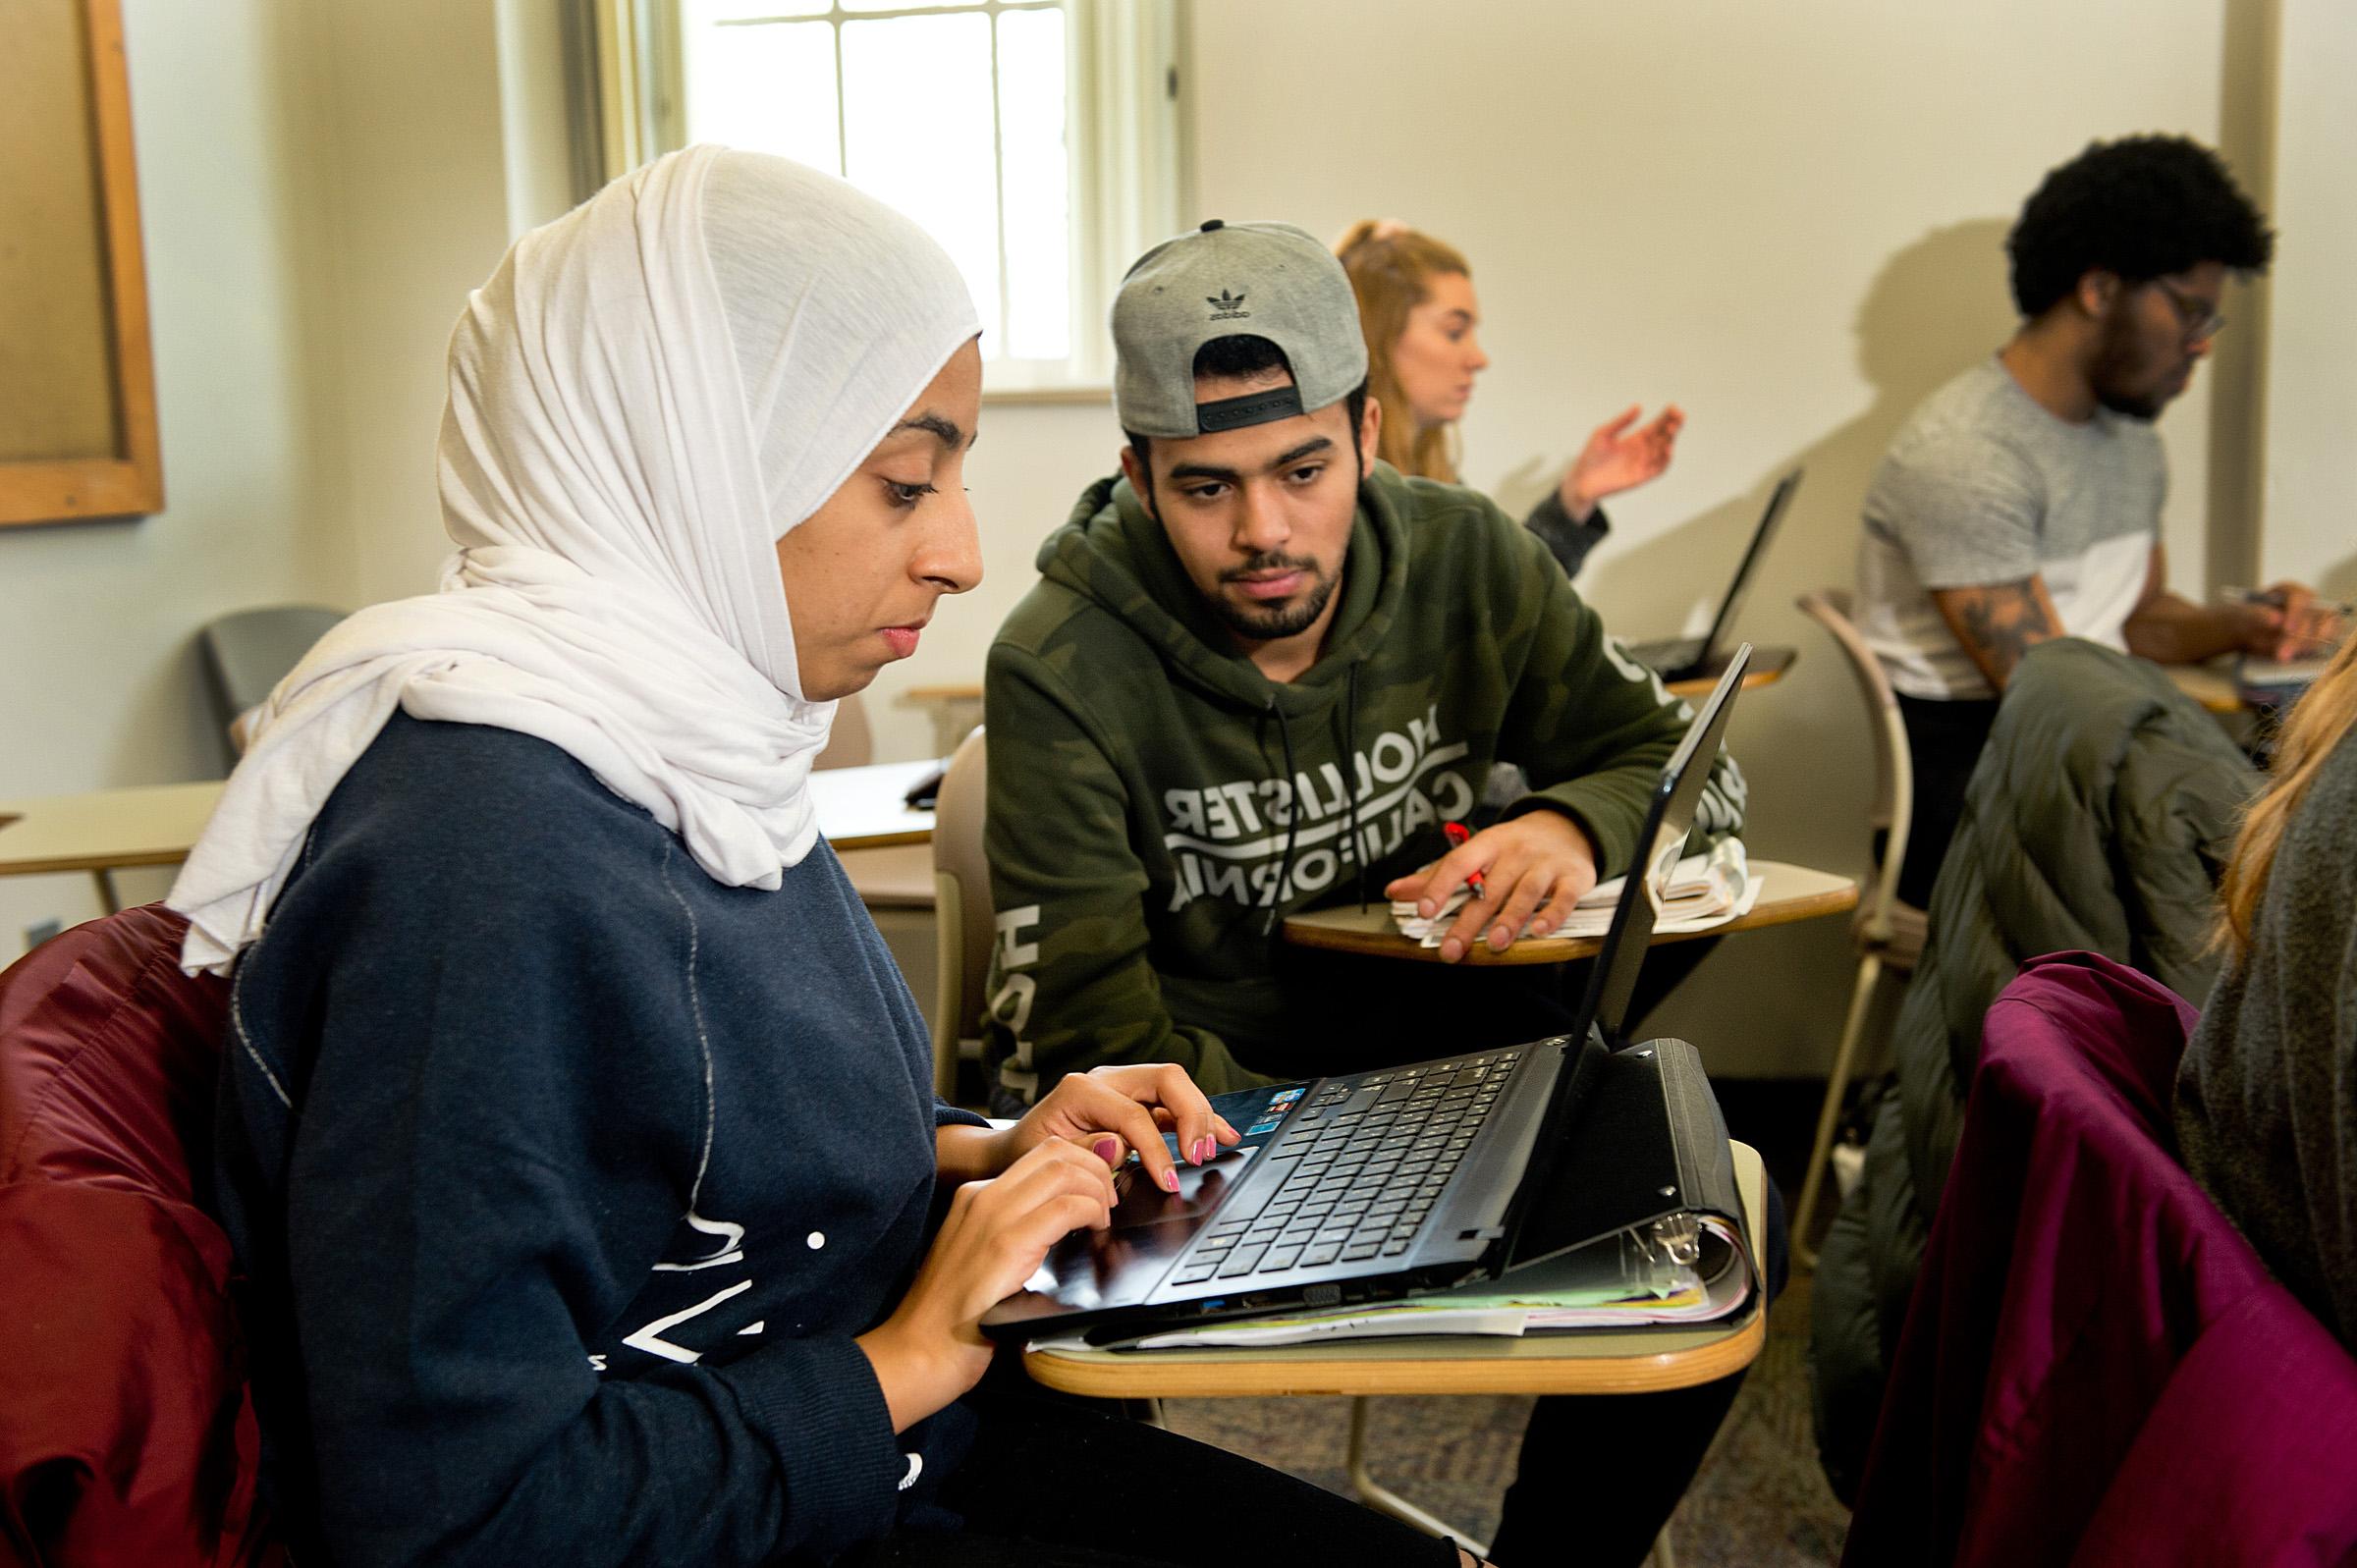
78, 430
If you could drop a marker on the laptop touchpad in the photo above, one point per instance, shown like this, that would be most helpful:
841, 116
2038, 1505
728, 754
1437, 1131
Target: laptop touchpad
1091, 1268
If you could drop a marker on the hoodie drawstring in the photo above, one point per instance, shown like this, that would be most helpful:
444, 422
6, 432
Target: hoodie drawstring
1358, 858
1292, 819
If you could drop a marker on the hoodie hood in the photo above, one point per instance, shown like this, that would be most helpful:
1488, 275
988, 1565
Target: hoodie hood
1115, 556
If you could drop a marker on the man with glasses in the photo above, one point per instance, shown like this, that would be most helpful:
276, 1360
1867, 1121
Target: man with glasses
2022, 500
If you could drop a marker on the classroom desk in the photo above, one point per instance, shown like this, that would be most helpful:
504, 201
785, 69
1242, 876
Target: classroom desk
104, 831
1787, 893
1768, 666
1604, 1361
2211, 684
1614, 1361
107, 830
860, 808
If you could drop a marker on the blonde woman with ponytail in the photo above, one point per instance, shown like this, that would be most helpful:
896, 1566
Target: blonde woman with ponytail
1416, 308
2266, 1094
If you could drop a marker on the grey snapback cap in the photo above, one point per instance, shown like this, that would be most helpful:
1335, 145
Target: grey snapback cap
1264, 280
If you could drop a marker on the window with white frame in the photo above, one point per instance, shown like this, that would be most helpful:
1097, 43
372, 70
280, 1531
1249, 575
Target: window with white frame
1036, 139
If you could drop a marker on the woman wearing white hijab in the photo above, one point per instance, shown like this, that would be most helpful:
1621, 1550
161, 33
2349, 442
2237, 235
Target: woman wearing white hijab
577, 1139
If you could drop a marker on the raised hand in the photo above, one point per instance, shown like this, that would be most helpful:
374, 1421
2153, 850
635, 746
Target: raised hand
1618, 458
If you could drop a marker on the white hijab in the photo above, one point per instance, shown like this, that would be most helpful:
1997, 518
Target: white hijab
649, 393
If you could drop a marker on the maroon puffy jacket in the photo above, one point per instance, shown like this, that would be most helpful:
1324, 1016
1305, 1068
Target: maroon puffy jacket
125, 1434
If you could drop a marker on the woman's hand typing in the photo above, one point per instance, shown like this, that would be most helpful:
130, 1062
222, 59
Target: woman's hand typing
932, 1349
1114, 1109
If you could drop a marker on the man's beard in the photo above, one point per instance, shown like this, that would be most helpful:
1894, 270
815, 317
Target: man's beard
1269, 625
2116, 357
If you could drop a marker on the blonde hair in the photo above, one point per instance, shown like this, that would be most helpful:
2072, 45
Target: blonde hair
1390, 266
2317, 725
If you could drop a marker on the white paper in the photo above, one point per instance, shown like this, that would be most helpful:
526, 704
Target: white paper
1704, 891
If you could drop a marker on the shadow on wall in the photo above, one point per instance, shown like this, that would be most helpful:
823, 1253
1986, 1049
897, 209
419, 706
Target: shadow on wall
1936, 306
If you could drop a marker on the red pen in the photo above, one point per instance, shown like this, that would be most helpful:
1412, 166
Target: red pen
1458, 834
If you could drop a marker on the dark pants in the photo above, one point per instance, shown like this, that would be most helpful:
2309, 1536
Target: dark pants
1356, 1013
1944, 743
1060, 1484
1601, 1473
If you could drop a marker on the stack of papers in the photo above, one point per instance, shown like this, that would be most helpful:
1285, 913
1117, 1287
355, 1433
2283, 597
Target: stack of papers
1704, 891
1677, 1295
2269, 682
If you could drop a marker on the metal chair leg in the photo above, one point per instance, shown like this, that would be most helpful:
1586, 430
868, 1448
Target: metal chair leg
1384, 1501
1861, 1004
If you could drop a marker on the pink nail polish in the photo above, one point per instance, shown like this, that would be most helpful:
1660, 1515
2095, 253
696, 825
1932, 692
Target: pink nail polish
1202, 1149
1107, 1148
1170, 1180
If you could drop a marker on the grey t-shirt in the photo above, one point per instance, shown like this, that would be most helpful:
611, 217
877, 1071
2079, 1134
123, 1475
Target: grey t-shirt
1981, 486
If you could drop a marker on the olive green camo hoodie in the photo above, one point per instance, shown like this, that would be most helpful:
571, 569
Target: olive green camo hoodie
1157, 805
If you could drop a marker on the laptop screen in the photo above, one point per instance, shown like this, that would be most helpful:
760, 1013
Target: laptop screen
1604, 1014
1662, 839
1777, 500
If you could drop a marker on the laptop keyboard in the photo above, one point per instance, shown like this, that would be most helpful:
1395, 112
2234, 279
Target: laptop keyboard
1676, 653
1372, 1155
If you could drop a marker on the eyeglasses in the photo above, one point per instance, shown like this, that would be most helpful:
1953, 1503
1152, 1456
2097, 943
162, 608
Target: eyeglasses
2199, 321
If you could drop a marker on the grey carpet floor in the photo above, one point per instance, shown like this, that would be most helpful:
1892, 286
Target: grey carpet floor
1760, 1501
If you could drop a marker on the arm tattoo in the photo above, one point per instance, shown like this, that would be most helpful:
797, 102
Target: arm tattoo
1998, 623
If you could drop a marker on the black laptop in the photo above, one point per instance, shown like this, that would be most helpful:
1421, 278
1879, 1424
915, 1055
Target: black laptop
1372, 1186
1702, 658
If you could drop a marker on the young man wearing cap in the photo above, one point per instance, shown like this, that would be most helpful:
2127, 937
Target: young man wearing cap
1258, 674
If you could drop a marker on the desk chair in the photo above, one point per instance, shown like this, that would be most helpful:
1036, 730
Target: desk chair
963, 921
1888, 935
248, 653
898, 876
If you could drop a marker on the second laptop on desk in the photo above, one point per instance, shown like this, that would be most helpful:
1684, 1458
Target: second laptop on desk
1486, 1165
1703, 658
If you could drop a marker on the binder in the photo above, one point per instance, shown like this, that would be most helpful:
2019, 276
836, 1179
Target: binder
1643, 1167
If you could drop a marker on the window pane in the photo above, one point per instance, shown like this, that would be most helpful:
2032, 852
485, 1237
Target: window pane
766, 87
902, 5
917, 135
1036, 169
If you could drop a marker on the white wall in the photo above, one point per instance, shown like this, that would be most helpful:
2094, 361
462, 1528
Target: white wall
1788, 219
321, 185
2311, 406
101, 683
413, 201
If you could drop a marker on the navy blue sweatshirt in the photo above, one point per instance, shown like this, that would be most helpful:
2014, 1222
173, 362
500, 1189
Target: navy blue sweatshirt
563, 1176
